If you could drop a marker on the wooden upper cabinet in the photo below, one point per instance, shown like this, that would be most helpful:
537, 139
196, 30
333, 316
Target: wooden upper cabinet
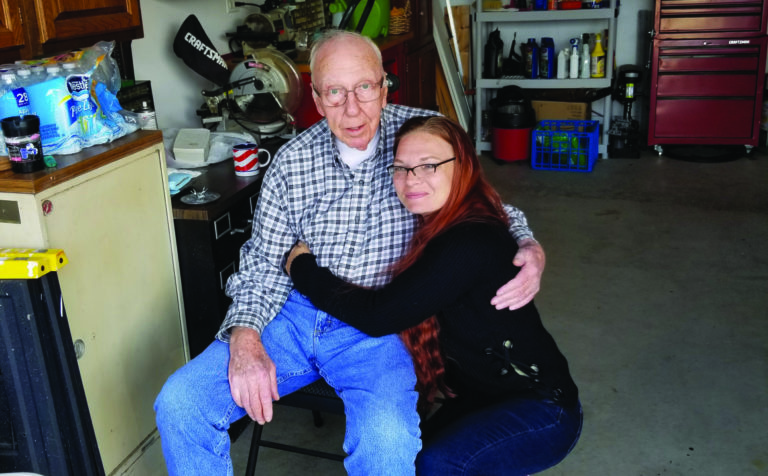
68, 19
37, 28
11, 35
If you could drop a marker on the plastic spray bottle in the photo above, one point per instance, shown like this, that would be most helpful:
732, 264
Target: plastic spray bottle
575, 60
597, 63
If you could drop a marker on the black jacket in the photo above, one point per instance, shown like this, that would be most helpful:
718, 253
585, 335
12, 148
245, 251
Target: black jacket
490, 354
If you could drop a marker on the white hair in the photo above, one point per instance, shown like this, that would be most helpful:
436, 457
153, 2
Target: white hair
331, 35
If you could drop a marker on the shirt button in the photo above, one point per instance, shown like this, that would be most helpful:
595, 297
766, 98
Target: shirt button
362, 182
351, 251
357, 219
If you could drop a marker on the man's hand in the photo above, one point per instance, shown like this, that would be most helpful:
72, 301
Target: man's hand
252, 379
521, 290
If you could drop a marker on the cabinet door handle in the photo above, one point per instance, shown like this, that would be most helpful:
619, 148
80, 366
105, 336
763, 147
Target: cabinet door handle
225, 273
244, 229
222, 225
252, 201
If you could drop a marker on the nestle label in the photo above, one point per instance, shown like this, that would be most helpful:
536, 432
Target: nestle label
79, 86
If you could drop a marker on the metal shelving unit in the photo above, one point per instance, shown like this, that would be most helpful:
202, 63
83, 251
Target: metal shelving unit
486, 21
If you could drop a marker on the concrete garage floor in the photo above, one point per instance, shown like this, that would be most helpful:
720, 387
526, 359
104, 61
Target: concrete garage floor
656, 289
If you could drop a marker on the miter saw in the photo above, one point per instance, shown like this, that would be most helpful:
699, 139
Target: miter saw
260, 93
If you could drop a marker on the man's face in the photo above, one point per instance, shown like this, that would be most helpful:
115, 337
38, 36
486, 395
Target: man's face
347, 64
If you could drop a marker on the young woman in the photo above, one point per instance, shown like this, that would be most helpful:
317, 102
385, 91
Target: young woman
511, 406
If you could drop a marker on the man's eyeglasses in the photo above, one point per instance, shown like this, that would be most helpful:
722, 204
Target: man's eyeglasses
420, 171
337, 96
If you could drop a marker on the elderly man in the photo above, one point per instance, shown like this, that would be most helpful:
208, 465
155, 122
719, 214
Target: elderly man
328, 187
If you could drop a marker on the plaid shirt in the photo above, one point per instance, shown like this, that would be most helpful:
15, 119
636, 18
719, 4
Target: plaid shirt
352, 220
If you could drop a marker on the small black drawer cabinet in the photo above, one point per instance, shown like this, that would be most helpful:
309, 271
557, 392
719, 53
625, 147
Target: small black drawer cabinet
208, 239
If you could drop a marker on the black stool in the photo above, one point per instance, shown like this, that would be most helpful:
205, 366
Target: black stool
319, 397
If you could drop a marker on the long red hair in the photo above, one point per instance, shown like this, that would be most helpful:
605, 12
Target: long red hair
471, 198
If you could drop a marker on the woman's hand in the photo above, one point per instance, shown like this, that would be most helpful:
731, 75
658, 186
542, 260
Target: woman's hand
299, 248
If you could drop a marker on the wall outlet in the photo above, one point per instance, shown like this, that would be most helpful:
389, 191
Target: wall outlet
231, 8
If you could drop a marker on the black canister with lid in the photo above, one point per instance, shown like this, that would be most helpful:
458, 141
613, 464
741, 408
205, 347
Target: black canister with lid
22, 138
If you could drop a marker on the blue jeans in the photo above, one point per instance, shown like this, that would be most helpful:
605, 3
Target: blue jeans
511, 438
373, 376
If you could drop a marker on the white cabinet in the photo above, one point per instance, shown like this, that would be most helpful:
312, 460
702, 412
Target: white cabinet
111, 214
558, 24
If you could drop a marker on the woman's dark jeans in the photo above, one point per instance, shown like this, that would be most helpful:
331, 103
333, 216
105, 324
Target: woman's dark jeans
514, 437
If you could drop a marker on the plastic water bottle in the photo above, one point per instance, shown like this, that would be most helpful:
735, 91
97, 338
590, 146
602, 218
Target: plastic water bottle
14, 100
69, 68
59, 126
52, 71
24, 75
37, 73
7, 79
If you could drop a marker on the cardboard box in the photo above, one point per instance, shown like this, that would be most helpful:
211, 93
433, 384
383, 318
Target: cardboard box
557, 110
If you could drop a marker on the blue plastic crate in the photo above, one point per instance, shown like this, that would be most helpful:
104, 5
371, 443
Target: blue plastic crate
570, 146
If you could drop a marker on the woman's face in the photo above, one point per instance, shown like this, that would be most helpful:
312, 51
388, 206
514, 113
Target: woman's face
423, 190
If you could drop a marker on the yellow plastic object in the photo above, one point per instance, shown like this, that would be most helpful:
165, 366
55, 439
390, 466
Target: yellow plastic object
19, 263
597, 61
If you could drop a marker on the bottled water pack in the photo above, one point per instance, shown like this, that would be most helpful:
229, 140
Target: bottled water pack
72, 94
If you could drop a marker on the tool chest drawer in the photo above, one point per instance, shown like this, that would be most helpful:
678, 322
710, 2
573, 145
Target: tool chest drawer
711, 119
708, 54
708, 60
709, 18
706, 85
708, 67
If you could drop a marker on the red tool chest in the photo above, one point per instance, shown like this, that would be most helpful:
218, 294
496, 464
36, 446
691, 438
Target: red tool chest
709, 18
708, 72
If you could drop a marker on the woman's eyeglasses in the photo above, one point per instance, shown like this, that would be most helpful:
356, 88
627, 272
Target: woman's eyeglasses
420, 171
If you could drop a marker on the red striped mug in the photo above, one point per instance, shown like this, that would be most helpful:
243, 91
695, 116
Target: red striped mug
249, 159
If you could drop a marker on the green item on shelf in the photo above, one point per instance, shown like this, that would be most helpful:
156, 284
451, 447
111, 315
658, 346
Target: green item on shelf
49, 160
377, 23
560, 147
